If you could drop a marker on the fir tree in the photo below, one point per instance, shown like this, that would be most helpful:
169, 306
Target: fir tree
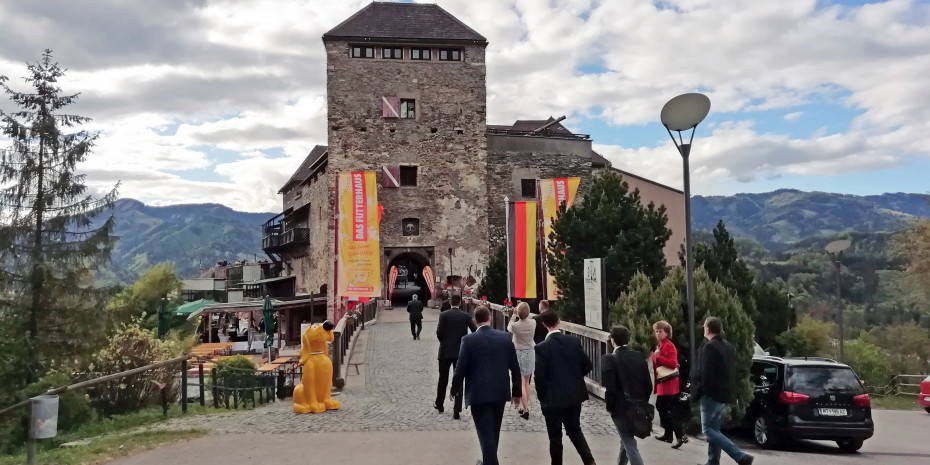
610, 222
50, 243
494, 284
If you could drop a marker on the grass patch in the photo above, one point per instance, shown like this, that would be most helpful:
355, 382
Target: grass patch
896, 402
105, 448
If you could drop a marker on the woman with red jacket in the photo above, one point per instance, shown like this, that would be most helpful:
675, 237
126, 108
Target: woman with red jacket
666, 355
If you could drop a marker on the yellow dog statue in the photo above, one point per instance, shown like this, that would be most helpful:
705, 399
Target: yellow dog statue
312, 395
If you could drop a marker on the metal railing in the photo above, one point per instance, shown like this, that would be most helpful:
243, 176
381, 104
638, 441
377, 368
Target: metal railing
345, 335
596, 344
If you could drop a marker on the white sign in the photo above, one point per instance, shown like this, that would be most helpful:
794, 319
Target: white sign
593, 293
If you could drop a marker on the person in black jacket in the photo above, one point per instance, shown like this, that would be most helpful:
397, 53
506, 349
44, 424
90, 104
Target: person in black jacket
625, 375
415, 309
453, 325
561, 365
713, 387
540, 329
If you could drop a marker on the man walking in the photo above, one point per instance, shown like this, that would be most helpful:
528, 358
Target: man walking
713, 387
626, 378
415, 309
453, 325
541, 331
484, 360
561, 365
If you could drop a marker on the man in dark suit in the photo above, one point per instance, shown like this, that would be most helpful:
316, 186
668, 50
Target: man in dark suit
415, 309
624, 374
484, 360
540, 329
561, 365
453, 325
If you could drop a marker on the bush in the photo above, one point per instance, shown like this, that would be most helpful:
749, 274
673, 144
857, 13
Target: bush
810, 338
74, 410
870, 363
233, 379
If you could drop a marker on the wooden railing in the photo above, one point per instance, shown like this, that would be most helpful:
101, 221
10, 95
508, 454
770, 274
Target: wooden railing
595, 343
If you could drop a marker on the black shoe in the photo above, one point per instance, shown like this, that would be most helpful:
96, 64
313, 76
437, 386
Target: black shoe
525, 415
665, 438
455, 415
438, 407
680, 442
746, 460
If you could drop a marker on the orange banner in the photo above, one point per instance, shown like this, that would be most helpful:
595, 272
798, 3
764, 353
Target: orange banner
552, 194
359, 238
430, 281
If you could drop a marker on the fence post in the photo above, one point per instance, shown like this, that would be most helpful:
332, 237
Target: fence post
337, 358
216, 400
183, 386
203, 401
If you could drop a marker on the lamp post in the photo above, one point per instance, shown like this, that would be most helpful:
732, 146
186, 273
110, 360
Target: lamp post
835, 249
684, 113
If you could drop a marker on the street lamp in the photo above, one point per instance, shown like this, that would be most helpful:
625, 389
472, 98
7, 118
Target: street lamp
835, 249
684, 113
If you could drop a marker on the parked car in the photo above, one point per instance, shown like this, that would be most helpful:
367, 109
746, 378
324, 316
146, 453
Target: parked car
924, 398
808, 398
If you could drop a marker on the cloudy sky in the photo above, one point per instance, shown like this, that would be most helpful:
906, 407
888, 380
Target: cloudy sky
220, 100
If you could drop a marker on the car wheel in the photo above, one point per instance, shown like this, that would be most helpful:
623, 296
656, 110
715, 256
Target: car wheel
927, 409
849, 445
762, 433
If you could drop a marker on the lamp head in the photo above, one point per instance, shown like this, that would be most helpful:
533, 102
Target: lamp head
836, 247
685, 111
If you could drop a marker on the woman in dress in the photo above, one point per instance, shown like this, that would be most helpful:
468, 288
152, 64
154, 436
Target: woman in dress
666, 355
523, 329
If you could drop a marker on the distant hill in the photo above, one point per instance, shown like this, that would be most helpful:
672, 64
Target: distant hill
780, 219
188, 235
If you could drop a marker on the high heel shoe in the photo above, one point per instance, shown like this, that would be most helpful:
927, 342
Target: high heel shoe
525, 415
681, 441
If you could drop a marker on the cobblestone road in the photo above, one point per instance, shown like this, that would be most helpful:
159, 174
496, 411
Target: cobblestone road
400, 382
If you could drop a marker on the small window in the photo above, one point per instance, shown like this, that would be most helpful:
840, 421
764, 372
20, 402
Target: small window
363, 52
408, 108
408, 175
450, 54
528, 187
392, 53
411, 226
420, 54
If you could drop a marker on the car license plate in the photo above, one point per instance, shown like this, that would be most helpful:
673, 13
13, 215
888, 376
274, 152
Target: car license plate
833, 412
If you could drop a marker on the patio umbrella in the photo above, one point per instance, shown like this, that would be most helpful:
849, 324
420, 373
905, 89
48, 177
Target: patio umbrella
268, 318
164, 318
192, 308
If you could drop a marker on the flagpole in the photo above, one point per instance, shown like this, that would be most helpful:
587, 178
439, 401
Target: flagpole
507, 240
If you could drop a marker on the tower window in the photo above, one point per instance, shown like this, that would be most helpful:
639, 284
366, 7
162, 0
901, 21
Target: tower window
528, 187
363, 52
420, 54
450, 54
410, 226
408, 175
392, 53
408, 108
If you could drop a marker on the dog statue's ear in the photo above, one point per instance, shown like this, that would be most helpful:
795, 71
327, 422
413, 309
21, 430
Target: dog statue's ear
328, 325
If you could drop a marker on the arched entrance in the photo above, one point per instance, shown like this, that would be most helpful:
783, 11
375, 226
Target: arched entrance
410, 264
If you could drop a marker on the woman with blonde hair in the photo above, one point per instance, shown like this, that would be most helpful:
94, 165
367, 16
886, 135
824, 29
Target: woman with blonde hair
523, 329
666, 387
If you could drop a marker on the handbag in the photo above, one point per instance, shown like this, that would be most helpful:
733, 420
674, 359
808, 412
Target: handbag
664, 374
639, 416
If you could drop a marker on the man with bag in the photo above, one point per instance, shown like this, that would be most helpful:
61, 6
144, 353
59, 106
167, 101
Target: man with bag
626, 379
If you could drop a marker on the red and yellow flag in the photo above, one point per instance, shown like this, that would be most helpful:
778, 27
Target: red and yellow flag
552, 194
521, 249
359, 235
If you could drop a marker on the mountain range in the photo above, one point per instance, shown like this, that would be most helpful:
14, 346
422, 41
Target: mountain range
199, 235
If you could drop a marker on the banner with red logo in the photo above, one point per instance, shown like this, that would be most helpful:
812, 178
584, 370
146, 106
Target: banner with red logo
552, 194
359, 236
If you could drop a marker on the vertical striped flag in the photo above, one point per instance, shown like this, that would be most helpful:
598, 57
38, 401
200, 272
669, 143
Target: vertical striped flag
552, 194
521, 249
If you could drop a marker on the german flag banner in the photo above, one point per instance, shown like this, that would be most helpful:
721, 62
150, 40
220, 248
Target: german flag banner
521, 249
552, 194
358, 236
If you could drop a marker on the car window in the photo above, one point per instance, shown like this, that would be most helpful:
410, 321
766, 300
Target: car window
763, 374
816, 381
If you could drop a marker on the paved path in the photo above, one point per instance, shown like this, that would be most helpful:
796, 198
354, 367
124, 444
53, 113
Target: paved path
387, 418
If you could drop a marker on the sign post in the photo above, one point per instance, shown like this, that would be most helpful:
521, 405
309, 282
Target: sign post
595, 288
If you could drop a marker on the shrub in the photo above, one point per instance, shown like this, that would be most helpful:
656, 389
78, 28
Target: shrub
869, 362
74, 410
810, 338
233, 379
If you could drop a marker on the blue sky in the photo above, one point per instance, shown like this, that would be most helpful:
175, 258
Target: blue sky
220, 100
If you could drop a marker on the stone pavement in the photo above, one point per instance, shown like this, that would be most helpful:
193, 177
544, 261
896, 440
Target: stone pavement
392, 398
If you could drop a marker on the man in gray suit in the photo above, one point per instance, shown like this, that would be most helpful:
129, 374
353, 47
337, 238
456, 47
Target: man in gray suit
484, 360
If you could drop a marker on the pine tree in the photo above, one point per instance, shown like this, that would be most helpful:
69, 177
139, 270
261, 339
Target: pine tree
50, 243
494, 283
610, 222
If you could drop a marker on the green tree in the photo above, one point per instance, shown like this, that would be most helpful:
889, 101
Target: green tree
494, 283
139, 302
611, 223
643, 304
809, 338
51, 240
869, 362
914, 244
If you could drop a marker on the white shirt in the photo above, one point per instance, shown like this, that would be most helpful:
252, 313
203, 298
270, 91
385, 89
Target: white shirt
550, 333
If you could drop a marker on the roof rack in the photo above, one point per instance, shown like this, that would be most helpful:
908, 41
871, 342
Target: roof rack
814, 359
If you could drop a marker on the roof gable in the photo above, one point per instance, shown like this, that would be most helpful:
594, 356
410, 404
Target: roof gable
404, 22
303, 171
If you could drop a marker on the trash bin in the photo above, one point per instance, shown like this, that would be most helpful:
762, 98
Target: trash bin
44, 416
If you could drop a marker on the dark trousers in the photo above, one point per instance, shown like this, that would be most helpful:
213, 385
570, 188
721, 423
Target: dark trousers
415, 327
488, 419
444, 365
571, 418
668, 415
